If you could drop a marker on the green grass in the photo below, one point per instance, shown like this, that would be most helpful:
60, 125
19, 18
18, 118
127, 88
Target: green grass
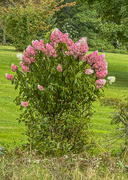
11, 130
118, 67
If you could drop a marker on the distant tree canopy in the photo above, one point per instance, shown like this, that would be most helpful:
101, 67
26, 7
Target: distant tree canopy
111, 10
114, 17
80, 21
88, 19
23, 20
103, 22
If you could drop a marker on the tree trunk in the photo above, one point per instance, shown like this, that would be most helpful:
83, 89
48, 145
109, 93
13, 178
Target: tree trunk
4, 36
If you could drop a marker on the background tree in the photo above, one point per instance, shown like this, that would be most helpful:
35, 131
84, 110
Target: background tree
81, 21
2, 29
23, 20
114, 15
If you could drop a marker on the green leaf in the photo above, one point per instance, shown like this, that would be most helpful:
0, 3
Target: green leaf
65, 72
67, 80
65, 46
79, 74
16, 86
81, 63
75, 81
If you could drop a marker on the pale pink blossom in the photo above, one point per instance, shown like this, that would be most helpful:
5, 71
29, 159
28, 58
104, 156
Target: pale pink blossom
21, 63
79, 48
25, 68
59, 68
37, 45
9, 77
26, 59
67, 53
101, 74
100, 65
24, 104
101, 57
100, 83
41, 41
70, 42
92, 58
54, 55
56, 37
47, 49
66, 36
50, 51
30, 50
41, 88
14, 67
89, 71
71, 53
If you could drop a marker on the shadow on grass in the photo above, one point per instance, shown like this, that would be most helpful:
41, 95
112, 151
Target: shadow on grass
10, 50
121, 83
121, 78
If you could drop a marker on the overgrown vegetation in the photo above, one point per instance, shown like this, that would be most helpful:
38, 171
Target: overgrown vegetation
24, 20
74, 167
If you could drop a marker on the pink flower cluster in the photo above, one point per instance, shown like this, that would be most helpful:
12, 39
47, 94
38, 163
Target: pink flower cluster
41, 88
59, 68
78, 49
56, 37
47, 49
28, 58
89, 71
14, 67
100, 83
25, 68
24, 104
98, 64
9, 77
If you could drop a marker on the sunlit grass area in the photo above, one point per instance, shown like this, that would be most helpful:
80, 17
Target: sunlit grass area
101, 121
11, 131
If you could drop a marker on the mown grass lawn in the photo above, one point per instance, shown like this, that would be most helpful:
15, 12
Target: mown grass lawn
118, 67
11, 131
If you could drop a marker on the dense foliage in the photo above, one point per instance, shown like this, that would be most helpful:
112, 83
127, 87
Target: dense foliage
114, 17
82, 21
24, 20
104, 25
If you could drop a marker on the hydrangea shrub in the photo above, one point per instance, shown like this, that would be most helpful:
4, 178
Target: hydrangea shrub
57, 84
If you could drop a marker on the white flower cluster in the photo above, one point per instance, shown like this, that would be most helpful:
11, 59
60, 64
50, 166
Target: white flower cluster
19, 56
111, 79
